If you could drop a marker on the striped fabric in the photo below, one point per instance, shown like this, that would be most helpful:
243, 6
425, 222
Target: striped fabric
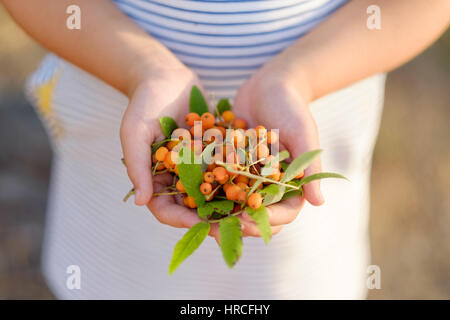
122, 251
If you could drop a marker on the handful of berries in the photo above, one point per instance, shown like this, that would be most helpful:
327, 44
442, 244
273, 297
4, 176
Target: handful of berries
222, 168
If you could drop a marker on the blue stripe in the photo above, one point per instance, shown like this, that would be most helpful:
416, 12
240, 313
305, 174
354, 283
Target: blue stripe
225, 12
267, 54
248, 67
316, 19
161, 37
332, 7
240, 77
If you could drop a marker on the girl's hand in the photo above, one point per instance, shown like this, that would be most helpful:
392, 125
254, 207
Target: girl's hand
165, 92
272, 98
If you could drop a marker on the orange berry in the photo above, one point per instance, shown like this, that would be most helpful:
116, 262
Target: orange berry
170, 159
208, 120
240, 124
241, 178
260, 131
272, 137
300, 175
208, 177
190, 201
228, 116
161, 153
160, 166
176, 170
226, 186
205, 188
154, 160
191, 118
220, 175
171, 144
242, 185
241, 196
262, 151
254, 201
180, 187
232, 192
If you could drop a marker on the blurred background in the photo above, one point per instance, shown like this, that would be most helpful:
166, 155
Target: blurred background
410, 221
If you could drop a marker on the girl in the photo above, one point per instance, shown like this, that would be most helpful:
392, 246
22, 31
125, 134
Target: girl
311, 68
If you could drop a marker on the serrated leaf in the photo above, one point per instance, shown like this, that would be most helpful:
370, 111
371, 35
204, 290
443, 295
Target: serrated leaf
197, 102
298, 164
230, 239
219, 206
191, 176
168, 125
261, 218
191, 240
319, 176
223, 105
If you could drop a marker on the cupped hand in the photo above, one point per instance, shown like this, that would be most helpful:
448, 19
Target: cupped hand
273, 99
163, 93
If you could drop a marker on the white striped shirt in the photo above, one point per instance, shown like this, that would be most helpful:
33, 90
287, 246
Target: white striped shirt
122, 251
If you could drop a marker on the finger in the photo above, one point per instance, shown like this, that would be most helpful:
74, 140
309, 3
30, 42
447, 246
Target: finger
281, 213
251, 230
312, 192
167, 211
136, 145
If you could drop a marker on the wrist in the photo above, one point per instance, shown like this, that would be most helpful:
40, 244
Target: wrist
161, 67
283, 73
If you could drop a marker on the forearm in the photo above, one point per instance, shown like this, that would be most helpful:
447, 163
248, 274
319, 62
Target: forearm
109, 45
343, 50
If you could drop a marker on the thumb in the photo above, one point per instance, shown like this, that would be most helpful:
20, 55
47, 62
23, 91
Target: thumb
312, 191
136, 145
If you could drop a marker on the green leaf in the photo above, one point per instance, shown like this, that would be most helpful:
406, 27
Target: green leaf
191, 176
283, 155
261, 217
230, 239
276, 194
219, 206
284, 165
292, 193
271, 189
191, 240
168, 125
223, 105
321, 175
298, 164
197, 101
